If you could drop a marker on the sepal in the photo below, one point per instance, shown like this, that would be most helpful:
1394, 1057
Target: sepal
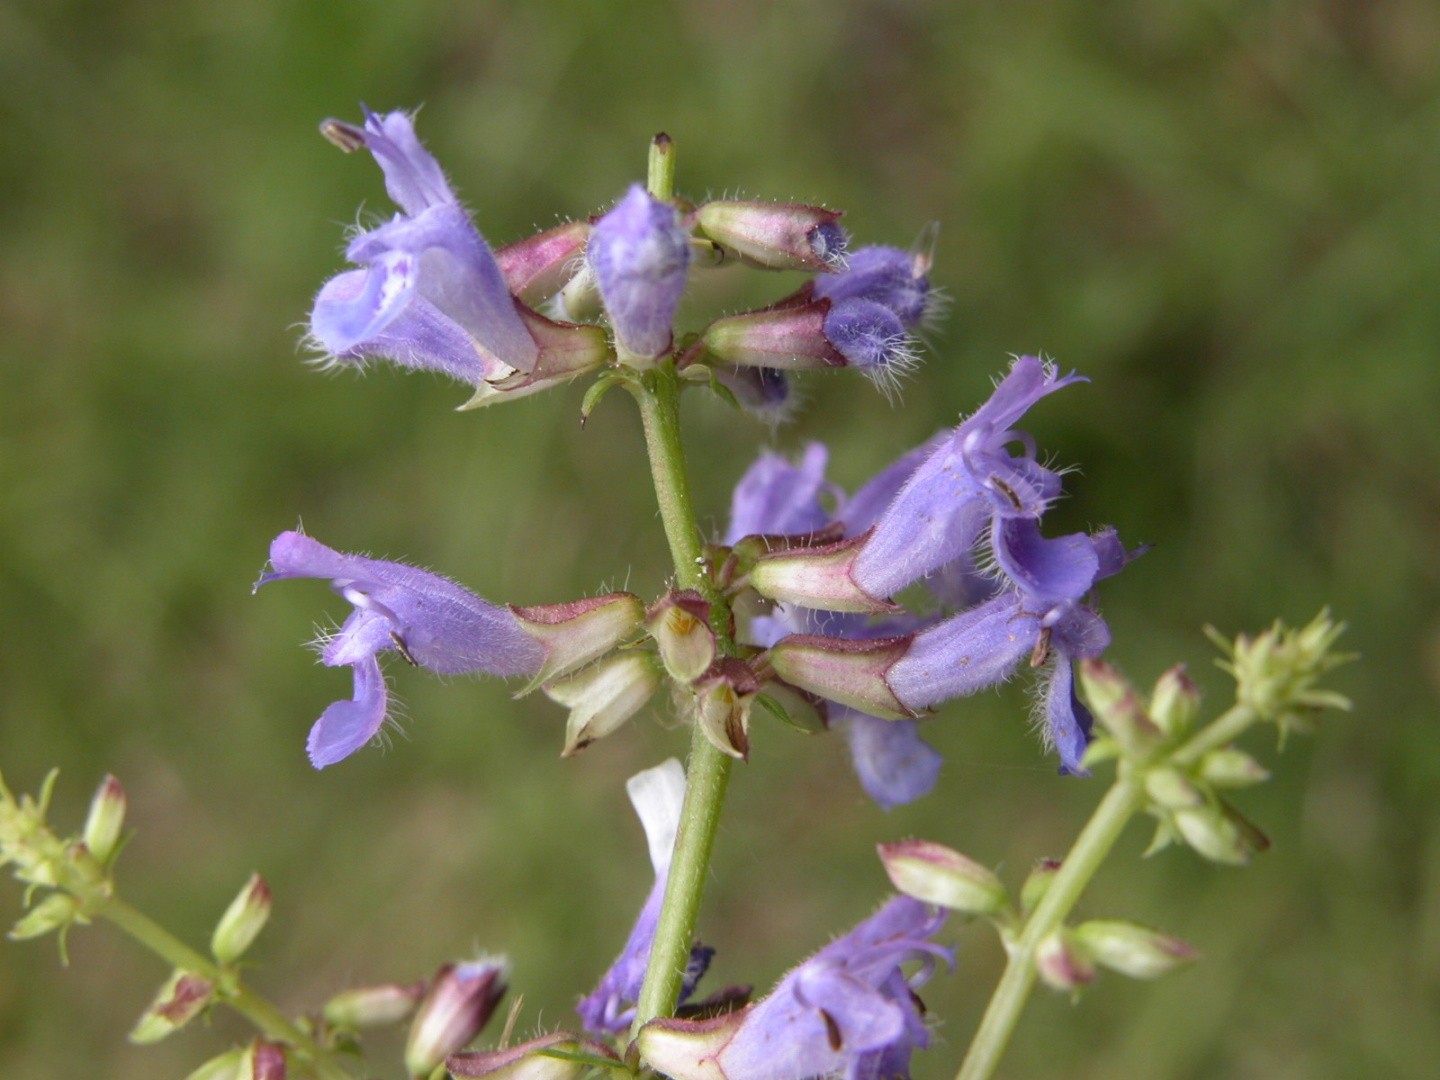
1063, 964
790, 338
559, 1056
262, 1060
818, 577
227, 1066
1220, 833
105, 820
1231, 768
1118, 710
539, 266
567, 350
577, 632
776, 236
58, 911
459, 1002
1135, 951
603, 696
723, 696
242, 922
689, 1048
940, 875
851, 672
680, 624
181, 998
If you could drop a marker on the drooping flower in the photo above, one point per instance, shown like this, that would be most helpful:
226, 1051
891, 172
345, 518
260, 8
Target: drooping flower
849, 1011
657, 795
431, 294
431, 621
898, 280
639, 254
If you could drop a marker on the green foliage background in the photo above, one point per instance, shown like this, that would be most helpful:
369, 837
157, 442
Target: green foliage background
1223, 212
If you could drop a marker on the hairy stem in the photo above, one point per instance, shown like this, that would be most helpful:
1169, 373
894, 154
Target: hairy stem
708, 772
271, 1022
1121, 802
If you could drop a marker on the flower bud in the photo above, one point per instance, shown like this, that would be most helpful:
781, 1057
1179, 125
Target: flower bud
539, 266
782, 338
679, 623
263, 1061
1170, 789
460, 1001
1220, 834
603, 696
181, 998
56, 912
105, 820
776, 236
1117, 708
817, 577
845, 670
1231, 768
579, 631
938, 875
226, 1066
1037, 884
372, 1006
640, 254
1175, 702
242, 922
1134, 950
533, 1060
1063, 963
722, 706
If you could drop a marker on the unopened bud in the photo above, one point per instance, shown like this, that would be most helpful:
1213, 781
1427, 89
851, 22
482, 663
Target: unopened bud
1134, 950
1037, 884
460, 1001
1231, 768
776, 236
182, 997
242, 922
1063, 963
939, 875
263, 1061
1175, 702
603, 696
558, 1056
372, 1006
679, 623
56, 912
539, 266
226, 1066
845, 670
577, 632
788, 338
1171, 790
105, 820
1117, 708
817, 577
1220, 834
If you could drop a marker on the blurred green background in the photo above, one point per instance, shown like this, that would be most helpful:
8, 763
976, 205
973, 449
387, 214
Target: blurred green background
1223, 212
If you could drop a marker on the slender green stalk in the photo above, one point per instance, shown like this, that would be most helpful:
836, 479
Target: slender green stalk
265, 1016
1121, 802
1224, 729
709, 769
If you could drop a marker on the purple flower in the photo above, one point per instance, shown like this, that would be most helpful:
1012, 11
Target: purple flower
849, 1011
898, 280
430, 621
657, 795
969, 480
777, 497
431, 294
639, 254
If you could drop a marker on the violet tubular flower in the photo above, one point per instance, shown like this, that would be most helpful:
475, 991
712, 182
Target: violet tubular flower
657, 795
848, 1011
431, 294
431, 621
639, 254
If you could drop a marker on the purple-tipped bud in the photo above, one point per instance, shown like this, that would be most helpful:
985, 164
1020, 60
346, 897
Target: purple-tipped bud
1063, 964
939, 875
181, 998
1175, 702
776, 236
558, 1056
639, 254
263, 1061
603, 696
679, 623
539, 266
1037, 884
242, 922
372, 1006
460, 1001
1220, 833
577, 632
1118, 709
872, 339
851, 672
1133, 950
817, 577
105, 820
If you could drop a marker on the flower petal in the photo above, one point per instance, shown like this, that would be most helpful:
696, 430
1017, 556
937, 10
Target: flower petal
894, 764
968, 652
346, 726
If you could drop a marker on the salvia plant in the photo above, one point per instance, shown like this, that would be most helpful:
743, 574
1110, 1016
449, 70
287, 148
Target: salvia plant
861, 611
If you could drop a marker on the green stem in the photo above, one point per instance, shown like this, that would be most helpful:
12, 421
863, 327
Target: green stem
1223, 730
708, 774
1121, 802
273, 1024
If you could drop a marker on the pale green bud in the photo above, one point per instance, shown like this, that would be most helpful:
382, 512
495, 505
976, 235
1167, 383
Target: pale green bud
242, 922
939, 875
105, 820
1118, 709
1134, 950
1231, 768
1063, 964
372, 1006
1220, 833
1172, 790
182, 997
1037, 884
1175, 702
227, 1066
